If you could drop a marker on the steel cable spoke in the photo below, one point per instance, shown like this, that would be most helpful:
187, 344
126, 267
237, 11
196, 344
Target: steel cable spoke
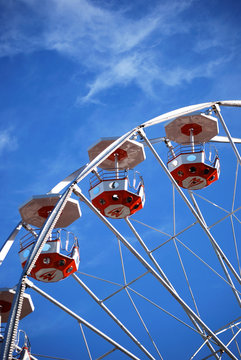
143, 323
85, 341
199, 258
178, 253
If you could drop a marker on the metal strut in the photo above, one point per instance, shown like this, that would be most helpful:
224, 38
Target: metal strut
81, 320
118, 322
188, 310
195, 213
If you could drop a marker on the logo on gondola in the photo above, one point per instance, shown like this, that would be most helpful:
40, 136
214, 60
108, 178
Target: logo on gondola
116, 212
195, 182
48, 276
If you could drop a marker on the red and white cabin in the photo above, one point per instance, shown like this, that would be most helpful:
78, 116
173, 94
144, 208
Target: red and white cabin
187, 162
117, 192
190, 167
59, 257
113, 195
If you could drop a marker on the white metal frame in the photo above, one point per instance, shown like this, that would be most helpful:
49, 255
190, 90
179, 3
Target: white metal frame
70, 184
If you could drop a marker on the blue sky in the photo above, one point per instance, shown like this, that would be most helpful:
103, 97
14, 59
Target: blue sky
73, 71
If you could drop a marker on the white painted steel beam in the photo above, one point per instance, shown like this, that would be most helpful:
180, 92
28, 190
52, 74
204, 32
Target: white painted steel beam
175, 113
9, 242
148, 252
217, 253
113, 317
66, 181
80, 319
159, 269
224, 139
232, 103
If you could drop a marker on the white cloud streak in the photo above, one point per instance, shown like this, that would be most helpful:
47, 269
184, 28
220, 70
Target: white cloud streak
114, 48
8, 141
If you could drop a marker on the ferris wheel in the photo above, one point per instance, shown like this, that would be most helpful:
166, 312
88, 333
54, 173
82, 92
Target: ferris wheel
165, 198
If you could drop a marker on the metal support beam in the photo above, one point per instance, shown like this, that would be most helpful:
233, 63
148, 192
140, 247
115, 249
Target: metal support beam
218, 113
217, 253
9, 242
194, 212
80, 319
106, 354
187, 309
149, 253
113, 317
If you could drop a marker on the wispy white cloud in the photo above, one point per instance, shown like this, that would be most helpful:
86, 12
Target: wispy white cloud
115, 48
8, 141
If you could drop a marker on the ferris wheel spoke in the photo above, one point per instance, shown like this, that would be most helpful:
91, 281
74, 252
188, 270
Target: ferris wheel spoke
186, 277
178, 253
85, 341
235, 184
226, 217
107, 353
80, 319
208, 266
236, 343
122, 262
143, 323
220, 258
230, 325
234, 337
98, 278
228, 212
157, 230
124, 286
199, 330
165, 311
9, 242
113, 317
209, 356
214, 353
235, 244
159, 269
150, 227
